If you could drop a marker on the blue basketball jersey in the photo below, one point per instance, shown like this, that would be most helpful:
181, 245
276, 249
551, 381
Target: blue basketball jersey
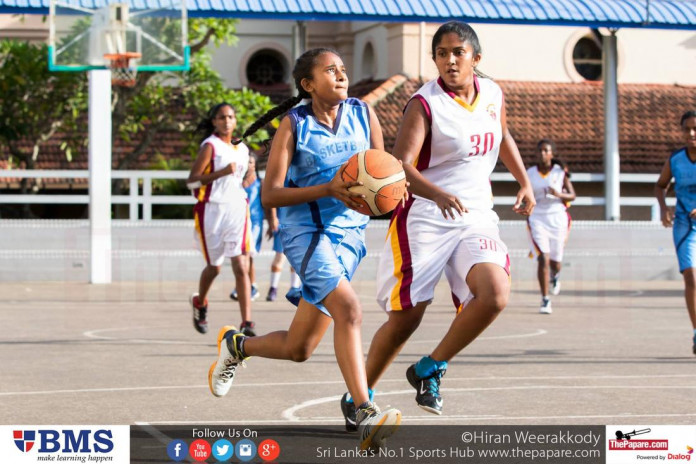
319, 153
255, 208
684, 173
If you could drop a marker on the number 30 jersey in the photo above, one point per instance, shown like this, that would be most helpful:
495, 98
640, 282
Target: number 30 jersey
461, 149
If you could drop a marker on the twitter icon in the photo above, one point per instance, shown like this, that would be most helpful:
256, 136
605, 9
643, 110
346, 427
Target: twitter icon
223, 450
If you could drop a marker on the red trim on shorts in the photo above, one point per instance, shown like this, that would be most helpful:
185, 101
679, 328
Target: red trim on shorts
531, 237
406, 260
456, 302
199, 216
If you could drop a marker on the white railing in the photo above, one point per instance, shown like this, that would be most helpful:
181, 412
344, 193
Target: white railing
134, 199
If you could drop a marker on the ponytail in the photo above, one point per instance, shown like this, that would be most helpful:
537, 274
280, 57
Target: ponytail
270, 115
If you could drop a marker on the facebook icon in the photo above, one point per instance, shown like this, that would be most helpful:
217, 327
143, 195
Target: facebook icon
177, 450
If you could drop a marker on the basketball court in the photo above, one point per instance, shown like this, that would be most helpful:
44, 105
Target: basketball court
126, 353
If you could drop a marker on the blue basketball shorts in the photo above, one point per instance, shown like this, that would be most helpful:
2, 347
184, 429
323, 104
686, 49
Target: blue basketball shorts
277, 243
684, 234
322, 257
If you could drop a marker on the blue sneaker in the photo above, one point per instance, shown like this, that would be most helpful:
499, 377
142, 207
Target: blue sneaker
427, 389
694, 344
254, 294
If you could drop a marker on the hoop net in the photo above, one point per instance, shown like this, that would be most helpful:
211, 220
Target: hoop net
123, 73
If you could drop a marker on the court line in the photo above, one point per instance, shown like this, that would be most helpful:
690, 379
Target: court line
95, 334
340, 382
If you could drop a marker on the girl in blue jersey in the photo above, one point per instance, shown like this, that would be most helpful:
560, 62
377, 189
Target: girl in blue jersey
252, 187
682, 167
322, 233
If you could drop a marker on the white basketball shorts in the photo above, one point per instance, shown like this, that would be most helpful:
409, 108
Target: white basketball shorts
548, 234
222, 230
419, 249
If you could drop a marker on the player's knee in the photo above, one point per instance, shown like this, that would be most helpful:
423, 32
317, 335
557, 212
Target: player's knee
496, 299
300, 353
349, 314
214, 270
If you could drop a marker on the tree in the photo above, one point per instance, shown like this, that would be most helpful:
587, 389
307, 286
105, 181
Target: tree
35, 103
167, 101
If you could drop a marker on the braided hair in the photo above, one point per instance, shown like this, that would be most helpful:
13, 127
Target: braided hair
302, 70
206, 127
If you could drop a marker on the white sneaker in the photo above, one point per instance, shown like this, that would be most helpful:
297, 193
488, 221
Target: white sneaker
375, 426
555, 286
221, 373
545, 307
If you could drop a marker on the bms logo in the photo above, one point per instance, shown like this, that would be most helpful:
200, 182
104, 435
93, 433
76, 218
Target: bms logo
65, 441
24, 439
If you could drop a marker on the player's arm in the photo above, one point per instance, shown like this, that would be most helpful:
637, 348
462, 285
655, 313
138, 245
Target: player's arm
272, 218
275, 194
376, 136
196, 177
661, 187
413, 130
510, 156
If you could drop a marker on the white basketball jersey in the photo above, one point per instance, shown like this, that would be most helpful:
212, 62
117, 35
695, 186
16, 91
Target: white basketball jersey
225, 189
462, 148
545, 203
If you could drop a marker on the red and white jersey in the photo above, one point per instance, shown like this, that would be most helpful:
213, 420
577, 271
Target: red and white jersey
462, 147
546, 203
229, 188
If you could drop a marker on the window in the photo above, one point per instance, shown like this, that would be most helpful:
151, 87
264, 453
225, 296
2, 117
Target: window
368, 62
587, 57
266, 69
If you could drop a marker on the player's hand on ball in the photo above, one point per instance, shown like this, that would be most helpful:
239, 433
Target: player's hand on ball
338, 188
448, 204
525, 202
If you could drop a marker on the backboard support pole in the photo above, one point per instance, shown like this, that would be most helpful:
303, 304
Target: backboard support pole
100, 175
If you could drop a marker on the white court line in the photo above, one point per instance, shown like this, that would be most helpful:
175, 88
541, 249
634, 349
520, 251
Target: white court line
337, 382
96, 334
289, 413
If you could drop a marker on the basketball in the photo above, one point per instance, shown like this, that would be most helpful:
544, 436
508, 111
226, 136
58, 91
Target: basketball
383, 178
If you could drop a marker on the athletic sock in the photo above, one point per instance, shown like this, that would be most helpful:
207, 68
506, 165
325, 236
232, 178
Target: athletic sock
427, 366
275, 279
370, 393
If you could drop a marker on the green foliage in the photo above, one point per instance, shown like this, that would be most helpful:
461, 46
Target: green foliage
35, 103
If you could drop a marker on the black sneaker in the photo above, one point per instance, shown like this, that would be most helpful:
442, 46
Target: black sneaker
348, 410
247, 328
427, 389
694, 344
375, 426
199, 314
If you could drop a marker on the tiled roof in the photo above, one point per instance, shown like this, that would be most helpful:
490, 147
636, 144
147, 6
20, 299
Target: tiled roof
570, 114
573, 116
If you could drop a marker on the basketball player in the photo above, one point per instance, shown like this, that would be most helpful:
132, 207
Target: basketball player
549, 224
252, 187
222, 214
274, 217
323, 237
450, 136
680, 166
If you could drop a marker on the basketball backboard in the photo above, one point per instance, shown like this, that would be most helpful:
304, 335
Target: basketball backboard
86, 34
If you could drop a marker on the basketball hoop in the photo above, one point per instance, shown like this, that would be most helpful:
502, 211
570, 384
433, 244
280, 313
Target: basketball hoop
123, 73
